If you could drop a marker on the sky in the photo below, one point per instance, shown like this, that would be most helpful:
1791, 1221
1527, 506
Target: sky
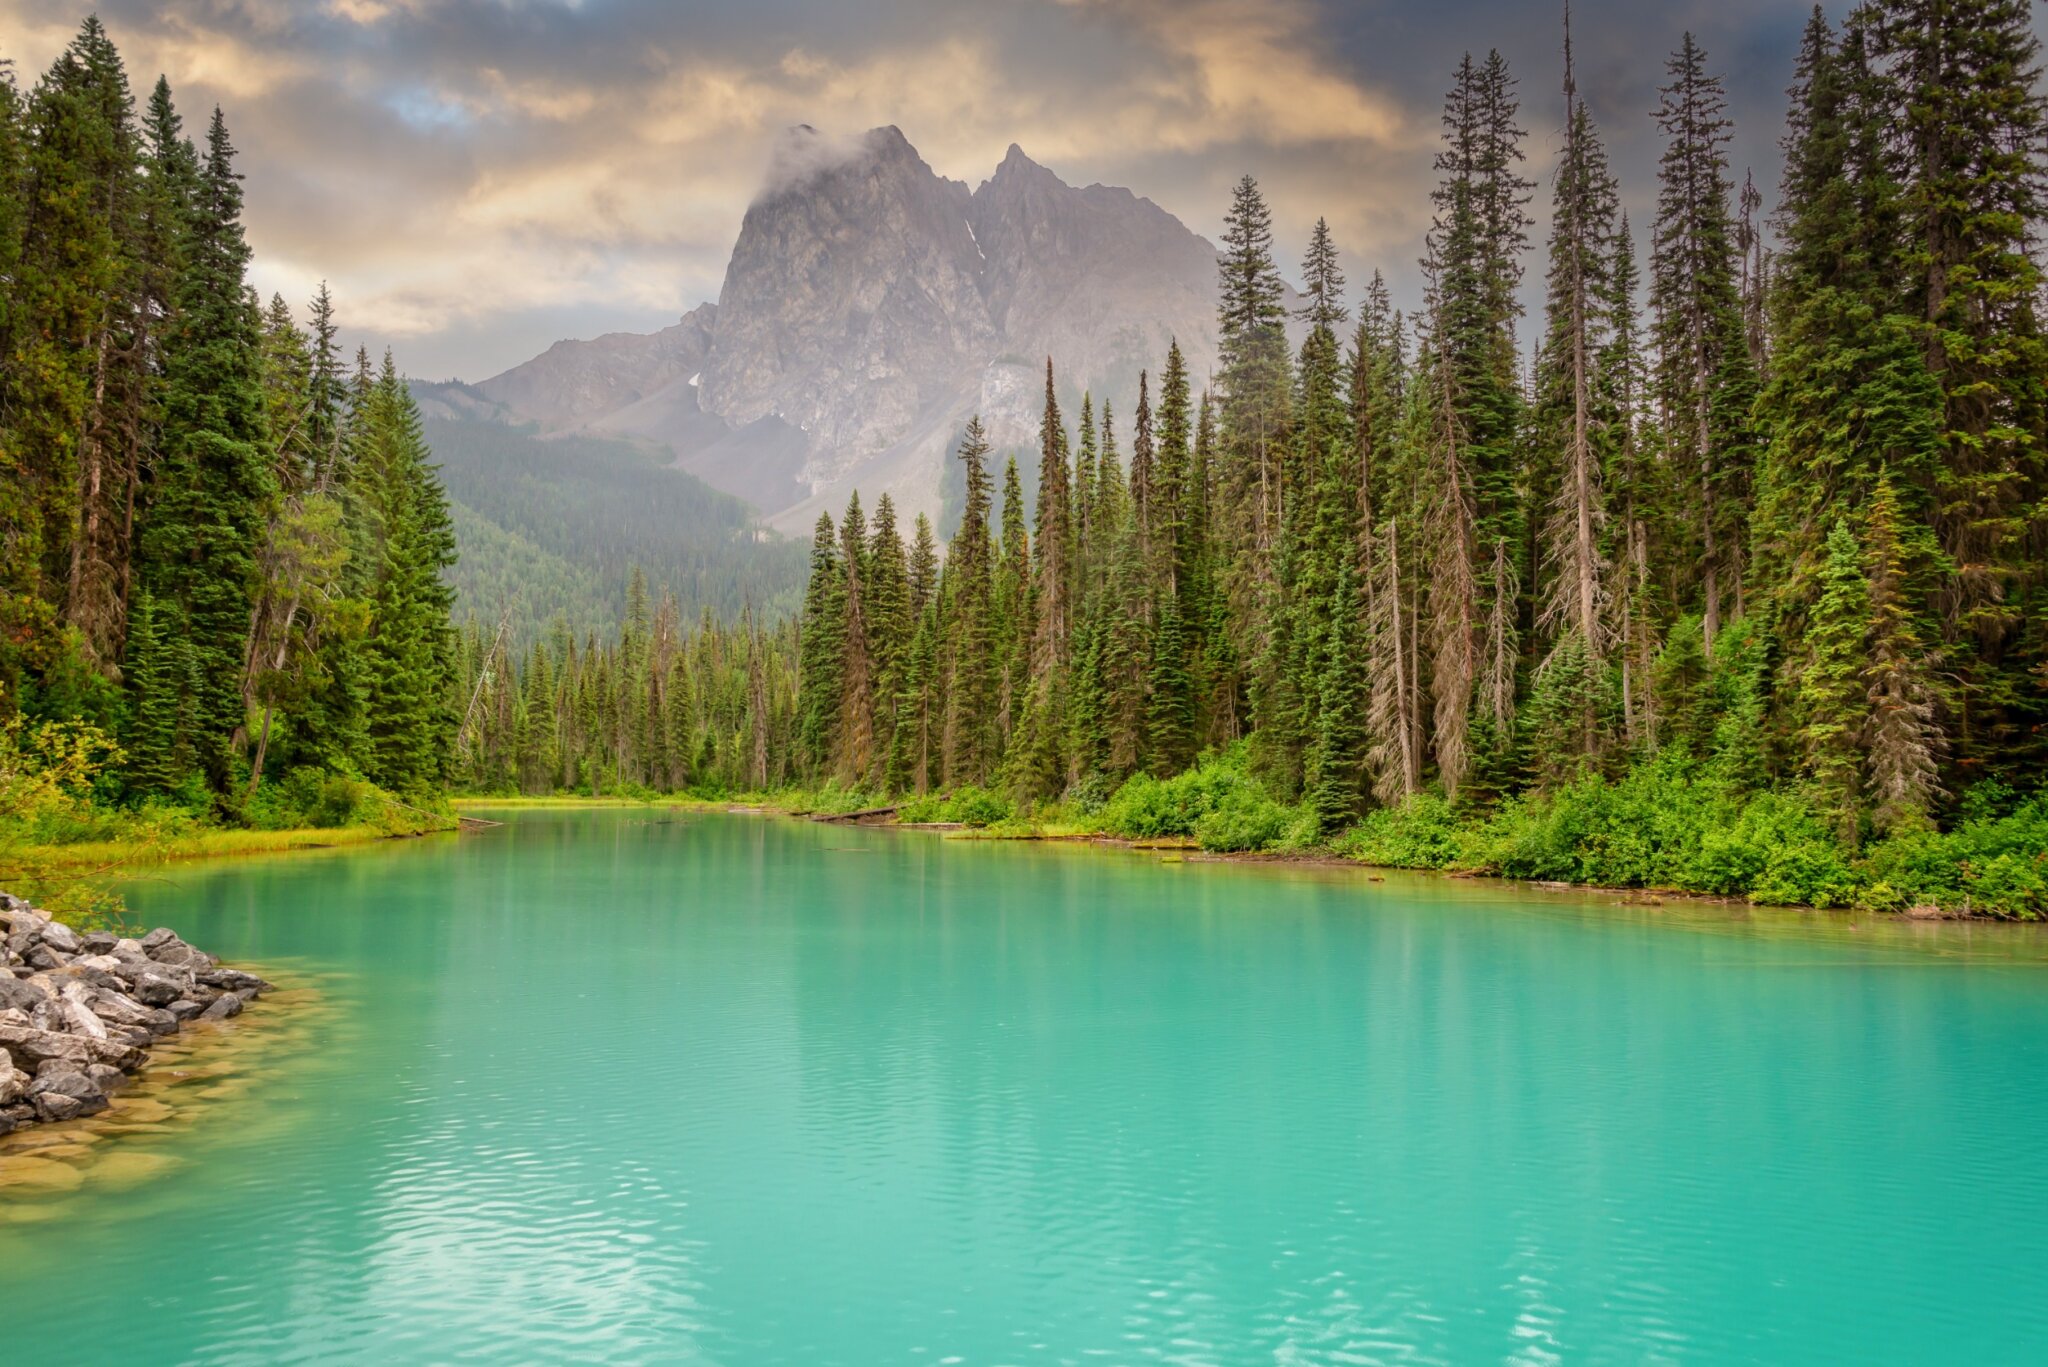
477, 179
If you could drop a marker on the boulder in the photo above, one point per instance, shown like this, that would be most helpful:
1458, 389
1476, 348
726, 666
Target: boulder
13, 1084
184, 956
233, 980
64, 1095
225, 1007
100, 942
184, 1010
77, 999
31, 1048
62, 938
156, 989
18, 995
23, 919
114, 1009
52, 1107
108, 1080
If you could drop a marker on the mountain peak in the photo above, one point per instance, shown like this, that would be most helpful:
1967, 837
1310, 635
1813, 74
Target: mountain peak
1016, 165
870, 305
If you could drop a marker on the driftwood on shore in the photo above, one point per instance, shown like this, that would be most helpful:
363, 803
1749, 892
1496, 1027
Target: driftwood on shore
79, 1012
862, 815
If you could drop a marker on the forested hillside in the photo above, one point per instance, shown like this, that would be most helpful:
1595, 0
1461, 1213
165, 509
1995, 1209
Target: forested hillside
1742, 585
552, 528
224, 592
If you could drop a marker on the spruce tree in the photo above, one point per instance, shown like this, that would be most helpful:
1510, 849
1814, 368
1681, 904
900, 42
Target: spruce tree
1702, 369
1253, 384
1964, 99
1582, 229
213, 472
1902, 736
1336, 789
972, 680
1170, 710
1832, 693
823, 634
856, 726
1176, 551
71, 381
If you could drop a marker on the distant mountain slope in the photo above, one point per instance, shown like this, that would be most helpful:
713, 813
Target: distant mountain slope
870, 306
553, 526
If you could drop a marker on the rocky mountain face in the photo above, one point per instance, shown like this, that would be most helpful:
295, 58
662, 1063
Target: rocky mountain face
870, 307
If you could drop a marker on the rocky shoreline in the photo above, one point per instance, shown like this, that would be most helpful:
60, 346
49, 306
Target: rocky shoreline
79, 1013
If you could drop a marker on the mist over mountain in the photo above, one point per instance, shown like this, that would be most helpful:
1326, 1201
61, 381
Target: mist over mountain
869, 308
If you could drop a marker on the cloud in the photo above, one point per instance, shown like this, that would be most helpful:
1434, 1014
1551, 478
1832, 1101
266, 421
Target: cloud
472, 175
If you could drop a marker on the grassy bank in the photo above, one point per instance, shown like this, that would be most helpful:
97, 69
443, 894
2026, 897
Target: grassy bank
66, 835
1671, 824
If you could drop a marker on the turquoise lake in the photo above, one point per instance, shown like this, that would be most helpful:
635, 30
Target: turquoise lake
639, 1086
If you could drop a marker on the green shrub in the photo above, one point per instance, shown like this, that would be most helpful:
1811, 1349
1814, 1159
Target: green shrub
1245, 819
1089, 795
315, 797
926, 807
970, 806
1989, 864
1775, 852
1422, 833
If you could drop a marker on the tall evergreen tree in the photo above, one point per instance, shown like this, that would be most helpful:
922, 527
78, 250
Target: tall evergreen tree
1966, 103
971, 693
823, 633
213, 473
1703, 374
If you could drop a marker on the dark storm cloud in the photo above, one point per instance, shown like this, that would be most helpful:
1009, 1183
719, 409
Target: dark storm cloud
480, 177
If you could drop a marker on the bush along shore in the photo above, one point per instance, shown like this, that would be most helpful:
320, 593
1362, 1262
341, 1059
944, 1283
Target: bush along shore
80, 1012
1670, 825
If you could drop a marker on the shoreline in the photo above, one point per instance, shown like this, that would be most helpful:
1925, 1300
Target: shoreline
80, 1014
1191, 852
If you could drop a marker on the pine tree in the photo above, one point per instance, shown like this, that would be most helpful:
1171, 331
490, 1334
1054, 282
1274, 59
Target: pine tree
1170, 710
1703, 374
924, 566
1965, 101
155, 688
213, 473
71, 382
972, 683
1143, 505
1053, 573
1176, 551
1902, 737
409, 661
1394, 709
1832, 694
856, 727
1583, 226
823, 633
1252, 343
890, 615
1013, 618
1635, 494
1338, 771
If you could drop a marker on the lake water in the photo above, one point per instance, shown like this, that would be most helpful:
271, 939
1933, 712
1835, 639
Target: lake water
670, 1087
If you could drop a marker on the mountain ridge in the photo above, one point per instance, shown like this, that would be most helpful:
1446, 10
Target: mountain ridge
870, 307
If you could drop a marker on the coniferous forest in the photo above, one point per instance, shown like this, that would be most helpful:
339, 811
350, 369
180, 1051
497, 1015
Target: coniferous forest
1728, 572
226, 546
